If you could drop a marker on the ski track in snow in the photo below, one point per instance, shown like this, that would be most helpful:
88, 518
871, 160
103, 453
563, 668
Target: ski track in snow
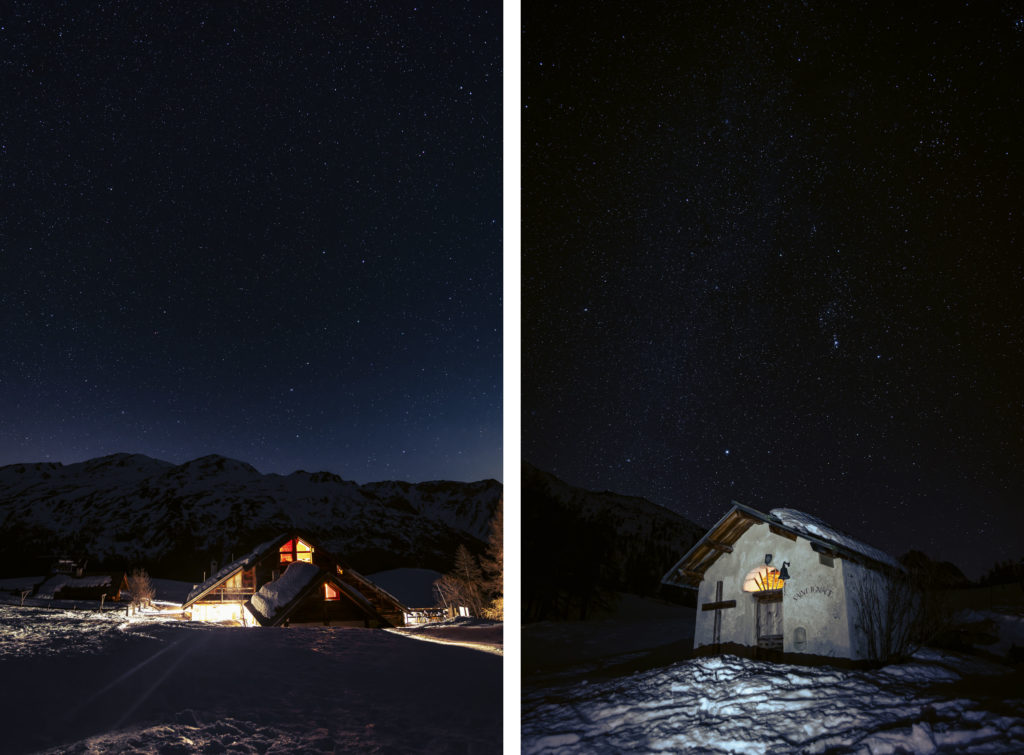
95, 682
731, 705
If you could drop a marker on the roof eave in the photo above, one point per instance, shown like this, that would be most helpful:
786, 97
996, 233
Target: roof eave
840, 550
189, 601
669, 578
373, 585
244, 562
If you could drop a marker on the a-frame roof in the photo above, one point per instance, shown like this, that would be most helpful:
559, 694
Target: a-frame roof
790, 523
249, 559
353, 584
228, 571
299, 581
366, 584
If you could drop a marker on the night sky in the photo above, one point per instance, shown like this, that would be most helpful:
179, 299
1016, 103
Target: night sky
265, 230
771, 254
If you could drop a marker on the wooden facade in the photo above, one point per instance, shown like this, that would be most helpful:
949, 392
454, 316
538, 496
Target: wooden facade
84, 587
337, 596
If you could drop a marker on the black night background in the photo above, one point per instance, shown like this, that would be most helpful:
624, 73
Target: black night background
268, 231
771, 254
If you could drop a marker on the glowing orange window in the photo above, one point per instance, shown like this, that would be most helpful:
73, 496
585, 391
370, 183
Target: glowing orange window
763, 579
296, 550
331, 592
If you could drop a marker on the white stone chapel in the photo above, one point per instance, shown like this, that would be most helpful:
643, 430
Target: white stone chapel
780, 586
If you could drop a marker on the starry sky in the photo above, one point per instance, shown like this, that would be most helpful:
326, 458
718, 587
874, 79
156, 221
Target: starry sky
772, 254
265, 230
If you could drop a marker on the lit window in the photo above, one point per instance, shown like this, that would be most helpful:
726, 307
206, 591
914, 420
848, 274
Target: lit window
331, 592
296, 550
762, 579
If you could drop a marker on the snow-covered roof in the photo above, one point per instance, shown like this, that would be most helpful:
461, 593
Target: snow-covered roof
244, 562
689, 570
805, 524
274, 596
55, 584
276, 600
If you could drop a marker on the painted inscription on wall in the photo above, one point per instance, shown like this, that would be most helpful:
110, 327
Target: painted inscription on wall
819, 589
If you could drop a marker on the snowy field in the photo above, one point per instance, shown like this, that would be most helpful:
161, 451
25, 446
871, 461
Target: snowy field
632, 634
95, 682
731, 705
593, 687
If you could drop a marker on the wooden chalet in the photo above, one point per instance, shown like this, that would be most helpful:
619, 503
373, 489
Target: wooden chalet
260, 589
94, 586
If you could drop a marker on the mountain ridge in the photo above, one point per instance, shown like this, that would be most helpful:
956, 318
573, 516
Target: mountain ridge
127, 509
586, 544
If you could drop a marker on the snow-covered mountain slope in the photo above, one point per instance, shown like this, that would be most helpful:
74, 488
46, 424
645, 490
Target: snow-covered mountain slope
582, 542
129, 507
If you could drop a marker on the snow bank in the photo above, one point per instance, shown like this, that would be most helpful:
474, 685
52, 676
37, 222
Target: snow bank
810, 525
469, 632
274, 596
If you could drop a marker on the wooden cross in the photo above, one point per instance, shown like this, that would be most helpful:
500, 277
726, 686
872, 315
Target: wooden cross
717, 607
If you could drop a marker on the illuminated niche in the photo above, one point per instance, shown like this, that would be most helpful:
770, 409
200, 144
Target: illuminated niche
762, 579
296, 550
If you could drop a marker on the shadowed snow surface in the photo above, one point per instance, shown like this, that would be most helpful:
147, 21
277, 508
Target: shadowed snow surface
91, 682
731, 705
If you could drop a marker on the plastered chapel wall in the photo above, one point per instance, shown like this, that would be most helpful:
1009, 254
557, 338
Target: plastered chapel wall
736, 622
739, 624
856, 574
813, 598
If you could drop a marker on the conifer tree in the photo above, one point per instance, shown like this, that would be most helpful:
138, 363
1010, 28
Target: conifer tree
493, 565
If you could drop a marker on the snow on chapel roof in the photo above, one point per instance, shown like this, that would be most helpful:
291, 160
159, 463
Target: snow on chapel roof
689, 571
806, 524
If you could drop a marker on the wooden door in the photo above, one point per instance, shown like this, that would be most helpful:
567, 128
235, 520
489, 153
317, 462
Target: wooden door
769, 621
